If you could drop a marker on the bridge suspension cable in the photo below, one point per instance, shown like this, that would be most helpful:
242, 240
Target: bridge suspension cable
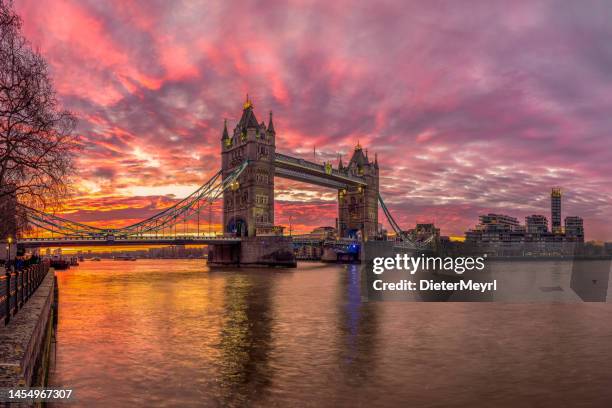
169, 217
399, 232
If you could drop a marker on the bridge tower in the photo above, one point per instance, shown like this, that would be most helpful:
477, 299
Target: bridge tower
248, 205
358, 206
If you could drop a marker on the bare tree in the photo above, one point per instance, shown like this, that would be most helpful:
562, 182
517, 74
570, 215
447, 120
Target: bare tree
37, 145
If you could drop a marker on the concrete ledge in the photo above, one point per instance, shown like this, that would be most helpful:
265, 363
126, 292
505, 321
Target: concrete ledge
22, 341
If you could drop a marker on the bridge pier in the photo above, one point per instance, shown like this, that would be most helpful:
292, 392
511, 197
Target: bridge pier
260, 251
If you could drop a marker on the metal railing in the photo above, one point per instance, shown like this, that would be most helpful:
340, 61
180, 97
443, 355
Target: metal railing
16, 287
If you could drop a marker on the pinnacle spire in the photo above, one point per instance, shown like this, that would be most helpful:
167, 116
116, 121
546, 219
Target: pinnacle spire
248, 119
247, 103
271, 124
225, 133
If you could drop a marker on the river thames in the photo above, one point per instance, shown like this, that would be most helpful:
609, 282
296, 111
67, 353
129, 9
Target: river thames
173, 333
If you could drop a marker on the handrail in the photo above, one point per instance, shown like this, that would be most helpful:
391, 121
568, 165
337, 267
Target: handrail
17, 287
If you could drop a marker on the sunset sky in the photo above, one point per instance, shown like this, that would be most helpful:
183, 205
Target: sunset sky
472, 107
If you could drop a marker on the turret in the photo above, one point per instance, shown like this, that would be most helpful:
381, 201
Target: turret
225, 134
249, 208
271, 125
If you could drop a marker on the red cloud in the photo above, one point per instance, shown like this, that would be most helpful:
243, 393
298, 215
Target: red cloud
471, 109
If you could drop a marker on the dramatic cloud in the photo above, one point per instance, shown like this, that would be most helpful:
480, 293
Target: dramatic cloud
472, 107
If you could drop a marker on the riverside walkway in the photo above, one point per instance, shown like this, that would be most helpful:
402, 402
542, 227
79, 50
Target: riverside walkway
26, 306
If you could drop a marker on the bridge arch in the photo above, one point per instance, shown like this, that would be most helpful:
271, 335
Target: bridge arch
238, 226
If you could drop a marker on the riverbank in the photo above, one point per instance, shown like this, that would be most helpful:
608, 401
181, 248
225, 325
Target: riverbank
25, 343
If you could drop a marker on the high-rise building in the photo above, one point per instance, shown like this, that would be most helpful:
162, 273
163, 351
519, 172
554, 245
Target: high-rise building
574, 228
555, 210
536, 224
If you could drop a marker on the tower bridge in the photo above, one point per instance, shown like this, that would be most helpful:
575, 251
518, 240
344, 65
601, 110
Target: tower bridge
245, 183
248, 208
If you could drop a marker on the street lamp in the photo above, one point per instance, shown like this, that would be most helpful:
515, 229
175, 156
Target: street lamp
10, 242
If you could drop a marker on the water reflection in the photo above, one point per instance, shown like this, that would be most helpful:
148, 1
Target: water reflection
191, 337
246, 339
357, 324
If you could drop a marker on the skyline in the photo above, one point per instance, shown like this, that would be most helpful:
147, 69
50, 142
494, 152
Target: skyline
458, 132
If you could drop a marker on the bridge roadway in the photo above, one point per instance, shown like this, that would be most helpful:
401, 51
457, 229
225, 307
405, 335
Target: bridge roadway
165, 240
305, 171
119, 241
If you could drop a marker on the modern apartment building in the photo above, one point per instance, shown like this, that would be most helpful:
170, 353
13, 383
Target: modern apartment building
574, 228
536, 224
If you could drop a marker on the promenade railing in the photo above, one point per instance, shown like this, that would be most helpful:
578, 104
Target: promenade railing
17, 286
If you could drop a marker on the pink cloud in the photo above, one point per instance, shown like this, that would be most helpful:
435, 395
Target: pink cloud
472, 107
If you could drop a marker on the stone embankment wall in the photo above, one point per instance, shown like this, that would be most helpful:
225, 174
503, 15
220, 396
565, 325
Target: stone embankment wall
25, 343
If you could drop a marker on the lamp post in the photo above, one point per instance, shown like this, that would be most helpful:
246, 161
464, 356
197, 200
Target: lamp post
10, 242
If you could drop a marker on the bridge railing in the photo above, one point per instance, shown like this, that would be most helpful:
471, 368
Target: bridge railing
131, 238
16, 287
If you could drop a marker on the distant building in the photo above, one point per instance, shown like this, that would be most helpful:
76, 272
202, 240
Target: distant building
574, 228
310, 246
498, 222
493, 229
555, 210
502, 235
536, 224
423, 232
323, 233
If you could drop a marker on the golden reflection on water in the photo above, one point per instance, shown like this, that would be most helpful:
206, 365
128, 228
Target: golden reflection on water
173, 333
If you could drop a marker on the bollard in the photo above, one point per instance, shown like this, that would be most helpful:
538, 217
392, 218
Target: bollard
28, 271
17, 305
7, 311
16, 285
22, 288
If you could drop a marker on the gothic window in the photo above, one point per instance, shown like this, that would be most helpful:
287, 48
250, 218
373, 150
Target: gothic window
263, 151
261, 199
262, 176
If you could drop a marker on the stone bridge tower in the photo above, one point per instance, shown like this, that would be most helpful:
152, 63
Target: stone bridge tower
358, 206
248, 206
